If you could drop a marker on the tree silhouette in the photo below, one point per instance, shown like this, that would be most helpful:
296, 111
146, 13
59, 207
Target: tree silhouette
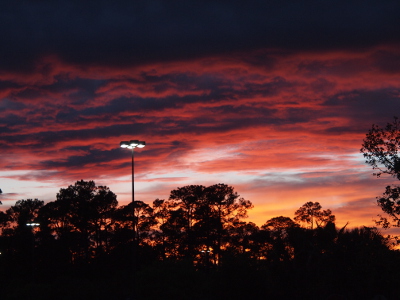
198, 219
223, 208
280, 225
82, 215
194, 245
390, 204
161, 212
18, 238
311, 213
244, 239
381, 151
144, 220
184, 201
23, 212
279, 229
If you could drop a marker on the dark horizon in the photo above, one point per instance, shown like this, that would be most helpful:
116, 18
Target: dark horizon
196, 245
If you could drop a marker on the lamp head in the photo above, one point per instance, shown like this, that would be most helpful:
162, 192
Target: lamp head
32, 224
132, 144
141, 144
124, 144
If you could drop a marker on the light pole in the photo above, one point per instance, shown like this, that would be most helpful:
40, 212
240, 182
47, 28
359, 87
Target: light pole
132, 145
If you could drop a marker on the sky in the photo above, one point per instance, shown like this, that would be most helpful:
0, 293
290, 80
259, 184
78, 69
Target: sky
271, 97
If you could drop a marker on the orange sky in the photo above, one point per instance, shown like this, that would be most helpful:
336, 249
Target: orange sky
281, 123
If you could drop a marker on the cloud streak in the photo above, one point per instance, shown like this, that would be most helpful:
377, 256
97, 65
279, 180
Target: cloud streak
274, 100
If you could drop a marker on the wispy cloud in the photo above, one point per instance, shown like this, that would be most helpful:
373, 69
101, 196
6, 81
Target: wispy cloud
272, 99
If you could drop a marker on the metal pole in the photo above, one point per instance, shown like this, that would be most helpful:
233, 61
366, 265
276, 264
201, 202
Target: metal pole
133, 195
131, 145
134, 228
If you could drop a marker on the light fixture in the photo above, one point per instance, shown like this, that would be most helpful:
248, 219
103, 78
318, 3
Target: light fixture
132, 144
33, 224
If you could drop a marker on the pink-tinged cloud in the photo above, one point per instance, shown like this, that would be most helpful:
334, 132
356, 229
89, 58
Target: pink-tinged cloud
283, 128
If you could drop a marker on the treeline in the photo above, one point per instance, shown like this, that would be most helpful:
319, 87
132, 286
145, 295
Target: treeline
195, 245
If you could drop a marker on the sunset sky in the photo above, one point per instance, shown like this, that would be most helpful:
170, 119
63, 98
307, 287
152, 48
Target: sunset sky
271, 97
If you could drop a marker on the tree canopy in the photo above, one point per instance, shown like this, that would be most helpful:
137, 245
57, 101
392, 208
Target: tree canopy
197, 238
381, 148
311, 213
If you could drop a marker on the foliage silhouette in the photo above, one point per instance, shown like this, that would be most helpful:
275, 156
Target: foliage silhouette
195, 245
82, 218
390, 204
381, 148
311, 214
195, 220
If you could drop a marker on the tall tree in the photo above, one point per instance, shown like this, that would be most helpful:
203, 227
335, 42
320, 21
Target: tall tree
279, 229
83, 215
21, 238
143, 219
243, 239
23, 212
161, 213
381, 151
187, 201
389, 202
311, 213
202, 215
224, 208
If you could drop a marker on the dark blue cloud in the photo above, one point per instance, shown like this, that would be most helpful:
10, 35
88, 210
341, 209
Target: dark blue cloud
7, 105
363, 108
387, 61
122, 33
